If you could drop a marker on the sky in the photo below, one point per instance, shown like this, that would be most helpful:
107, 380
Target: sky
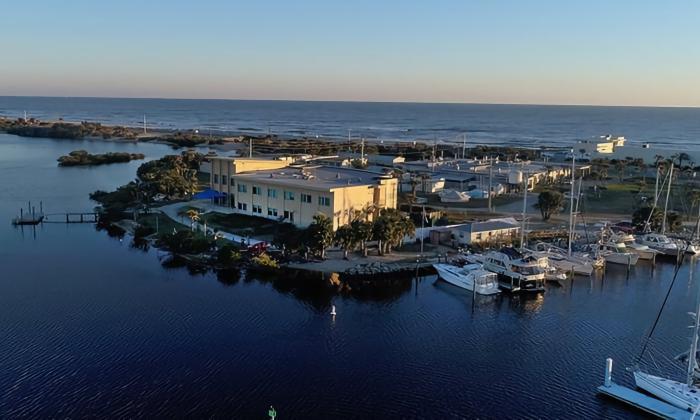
614, 52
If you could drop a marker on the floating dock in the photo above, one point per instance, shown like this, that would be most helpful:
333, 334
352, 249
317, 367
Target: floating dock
638, 400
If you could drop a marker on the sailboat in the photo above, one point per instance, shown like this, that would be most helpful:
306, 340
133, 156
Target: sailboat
686, 394
659, 241
568, 260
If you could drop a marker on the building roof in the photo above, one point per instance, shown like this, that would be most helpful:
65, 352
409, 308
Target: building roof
385, 160
487, 226
323, 178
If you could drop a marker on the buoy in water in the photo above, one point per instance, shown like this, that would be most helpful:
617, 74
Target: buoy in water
333, 312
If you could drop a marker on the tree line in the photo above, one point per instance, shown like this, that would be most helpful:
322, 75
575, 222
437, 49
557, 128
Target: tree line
388, 229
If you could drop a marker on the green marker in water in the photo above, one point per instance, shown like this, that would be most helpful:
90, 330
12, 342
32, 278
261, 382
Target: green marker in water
272, 413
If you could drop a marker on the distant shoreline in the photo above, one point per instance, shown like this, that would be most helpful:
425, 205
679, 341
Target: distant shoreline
355, 101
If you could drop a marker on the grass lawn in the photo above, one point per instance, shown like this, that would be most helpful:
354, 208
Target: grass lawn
165, 224
625, 198
434, 201
241, 223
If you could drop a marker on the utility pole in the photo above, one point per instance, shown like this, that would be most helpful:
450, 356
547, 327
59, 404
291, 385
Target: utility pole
250, 148
144, 123
362, 151
464, 146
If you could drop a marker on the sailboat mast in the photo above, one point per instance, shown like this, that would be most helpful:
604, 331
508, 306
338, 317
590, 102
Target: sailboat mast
668, 194
694, 341
571, 205
656, 186
522, 228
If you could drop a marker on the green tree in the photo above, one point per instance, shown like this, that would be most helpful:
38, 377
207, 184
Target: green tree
620, 166
549, 203
362, 231
345, 238
390, 228
320, 234
648, 218
193, 215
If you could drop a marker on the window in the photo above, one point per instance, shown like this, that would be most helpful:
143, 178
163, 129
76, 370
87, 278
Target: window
216, 178
242, 188
305, 198
289, 195
257, 209
256, 190
271, 212
242, 206
232, 182
478, 236
324, 201
272, 193
289, 215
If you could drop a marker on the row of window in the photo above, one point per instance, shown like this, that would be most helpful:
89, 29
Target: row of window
272, 193
223, 179
257, 209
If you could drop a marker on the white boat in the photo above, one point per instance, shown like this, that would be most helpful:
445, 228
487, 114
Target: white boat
693, 248
673, 392
684, 395
644, 252
614, 253
659, 242
516, 272
551, 273
472, 277
582, 264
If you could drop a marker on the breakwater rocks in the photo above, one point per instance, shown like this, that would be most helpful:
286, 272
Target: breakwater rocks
376, 268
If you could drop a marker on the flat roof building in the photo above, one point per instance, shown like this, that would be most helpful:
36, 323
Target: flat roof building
275, 190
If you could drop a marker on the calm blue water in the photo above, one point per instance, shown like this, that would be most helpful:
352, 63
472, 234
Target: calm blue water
677, 128
91, 327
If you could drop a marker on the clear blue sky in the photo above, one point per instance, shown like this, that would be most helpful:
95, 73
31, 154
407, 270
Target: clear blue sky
615, 52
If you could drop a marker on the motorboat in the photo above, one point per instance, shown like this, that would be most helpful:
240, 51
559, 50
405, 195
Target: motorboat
614, 253
551, 273
472, 277
659, 242
579, 263
644, 252
516, 272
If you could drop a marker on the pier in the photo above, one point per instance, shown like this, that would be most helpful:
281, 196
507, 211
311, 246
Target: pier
638, 400
73, 217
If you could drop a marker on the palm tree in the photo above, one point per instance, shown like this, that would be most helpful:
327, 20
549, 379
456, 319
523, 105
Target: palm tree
193, 214
362, 231
345, 238
621, 165
321, 234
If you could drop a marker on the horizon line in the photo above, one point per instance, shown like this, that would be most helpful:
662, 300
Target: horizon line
355, 101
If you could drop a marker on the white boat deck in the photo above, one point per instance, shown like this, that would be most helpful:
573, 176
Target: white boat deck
644, 402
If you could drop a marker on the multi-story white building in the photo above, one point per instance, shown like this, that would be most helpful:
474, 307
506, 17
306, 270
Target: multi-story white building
295, 194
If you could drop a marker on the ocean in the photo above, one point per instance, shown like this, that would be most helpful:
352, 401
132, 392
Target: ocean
530, 125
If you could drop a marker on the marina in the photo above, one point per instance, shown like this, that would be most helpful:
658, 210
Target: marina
206, 314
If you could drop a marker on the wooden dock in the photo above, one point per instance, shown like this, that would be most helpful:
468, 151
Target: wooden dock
76, 217
643, 402
639, 400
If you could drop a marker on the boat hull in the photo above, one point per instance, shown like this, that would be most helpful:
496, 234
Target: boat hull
624, 259
464, 280
675, 393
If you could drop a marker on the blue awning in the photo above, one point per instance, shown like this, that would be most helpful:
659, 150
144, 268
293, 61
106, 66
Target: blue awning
208, 194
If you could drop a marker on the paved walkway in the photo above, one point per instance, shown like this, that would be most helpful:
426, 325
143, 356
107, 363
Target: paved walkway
205, 206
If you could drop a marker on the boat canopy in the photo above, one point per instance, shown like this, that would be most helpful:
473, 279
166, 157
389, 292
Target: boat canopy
208, 194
